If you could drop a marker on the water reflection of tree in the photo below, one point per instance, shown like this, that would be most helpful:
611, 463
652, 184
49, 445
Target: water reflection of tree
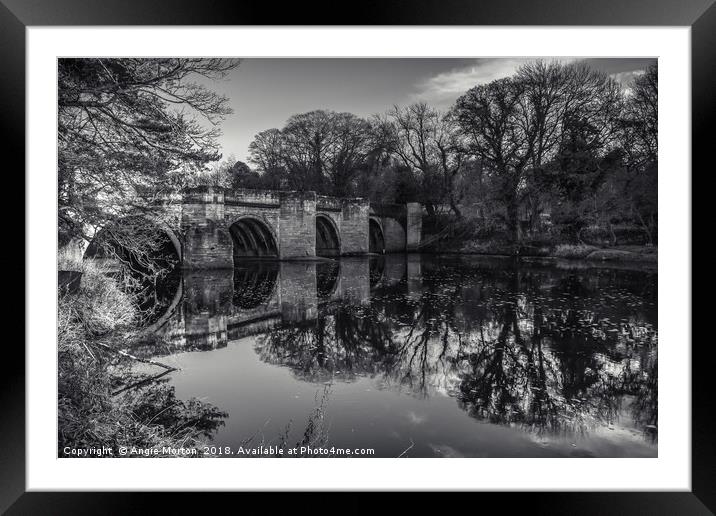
153, 402
555, 369
344, 340
513, 377
517, 346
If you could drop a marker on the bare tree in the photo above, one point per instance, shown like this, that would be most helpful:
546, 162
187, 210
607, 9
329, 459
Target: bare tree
640, 146
641, 120
319, 150
428, 142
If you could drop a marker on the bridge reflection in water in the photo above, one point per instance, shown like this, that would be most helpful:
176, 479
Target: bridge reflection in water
217, 306
568, 355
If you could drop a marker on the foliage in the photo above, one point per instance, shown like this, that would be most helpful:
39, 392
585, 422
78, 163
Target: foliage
319, 150
558, 148
428, 143
558, 139
99, 307
547, 114
544, 351
128, 130
98, 316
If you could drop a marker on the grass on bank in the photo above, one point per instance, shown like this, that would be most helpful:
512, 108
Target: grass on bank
98, 316
474, 237
574, 250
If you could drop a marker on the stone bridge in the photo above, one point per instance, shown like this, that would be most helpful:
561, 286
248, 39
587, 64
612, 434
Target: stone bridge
214, 227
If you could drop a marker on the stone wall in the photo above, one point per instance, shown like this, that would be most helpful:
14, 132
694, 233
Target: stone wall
207, 243
207, 213
297, 225
414, 225
325, 203
355, 280
206, 307
392, 220
354, 226
254, 198
393, 235
298, 291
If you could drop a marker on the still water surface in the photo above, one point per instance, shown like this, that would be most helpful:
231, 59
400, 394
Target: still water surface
421, 356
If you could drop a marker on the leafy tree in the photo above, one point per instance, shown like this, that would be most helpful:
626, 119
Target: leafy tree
518, 125
491, 117
129, 130
319, 150
576, 181
243, 177
218, 174
267, 154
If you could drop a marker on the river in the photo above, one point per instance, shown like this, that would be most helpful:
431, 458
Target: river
419, 355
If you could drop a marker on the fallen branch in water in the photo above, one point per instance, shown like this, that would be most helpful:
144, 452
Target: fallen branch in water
407, 449
141, 382
132, 357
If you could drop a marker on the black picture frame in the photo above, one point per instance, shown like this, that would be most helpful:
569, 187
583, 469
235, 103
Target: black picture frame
17, 15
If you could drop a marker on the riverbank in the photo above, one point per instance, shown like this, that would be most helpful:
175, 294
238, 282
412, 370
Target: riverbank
580, 252
102, 402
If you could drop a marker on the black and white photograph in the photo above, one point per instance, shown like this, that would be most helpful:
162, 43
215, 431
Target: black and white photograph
357, 257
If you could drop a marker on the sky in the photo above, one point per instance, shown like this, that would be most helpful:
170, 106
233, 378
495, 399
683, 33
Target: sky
265, 92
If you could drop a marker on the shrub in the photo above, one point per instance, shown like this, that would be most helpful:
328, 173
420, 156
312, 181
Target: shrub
573, 251
100, 306
90, 322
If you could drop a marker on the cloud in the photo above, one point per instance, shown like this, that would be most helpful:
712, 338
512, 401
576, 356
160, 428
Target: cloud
442, 89
626, 78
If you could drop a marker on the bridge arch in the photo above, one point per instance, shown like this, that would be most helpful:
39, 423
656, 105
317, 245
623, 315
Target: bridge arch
328, 241
376, 240
157, 295
253, 237
172, 245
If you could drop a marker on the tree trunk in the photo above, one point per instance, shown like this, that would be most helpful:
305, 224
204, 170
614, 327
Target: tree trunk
612, 234
513, 220
646, 228
455, 209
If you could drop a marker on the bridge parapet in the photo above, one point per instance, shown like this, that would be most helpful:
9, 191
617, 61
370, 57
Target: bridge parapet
325, 203
247, 197
156, 196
